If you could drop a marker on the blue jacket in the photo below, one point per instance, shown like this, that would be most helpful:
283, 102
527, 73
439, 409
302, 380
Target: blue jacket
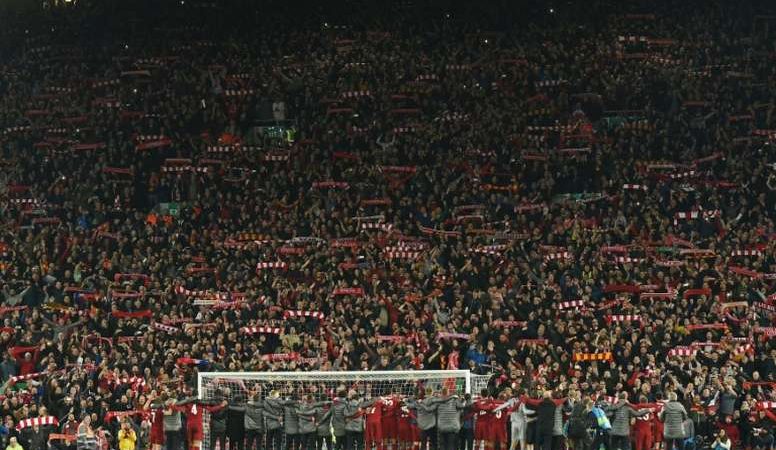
600, 419
477, 357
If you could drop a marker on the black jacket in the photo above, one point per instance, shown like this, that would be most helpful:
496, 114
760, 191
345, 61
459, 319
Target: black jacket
545, 417
235, 422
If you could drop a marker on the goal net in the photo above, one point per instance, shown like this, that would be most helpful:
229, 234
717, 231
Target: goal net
237, 387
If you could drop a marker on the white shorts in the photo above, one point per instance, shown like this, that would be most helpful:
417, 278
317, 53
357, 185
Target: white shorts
518, 432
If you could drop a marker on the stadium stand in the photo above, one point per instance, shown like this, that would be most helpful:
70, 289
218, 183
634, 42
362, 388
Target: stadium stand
575, 199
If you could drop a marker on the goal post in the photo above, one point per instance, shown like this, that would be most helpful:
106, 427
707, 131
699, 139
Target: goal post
237, 388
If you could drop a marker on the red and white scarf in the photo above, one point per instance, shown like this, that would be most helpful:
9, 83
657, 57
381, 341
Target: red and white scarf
238, 92
353, 291
166, 328
614, 249
447, 335
550, 83
689, 215
508, 323
261, 330
400, 254
135, 382
696, 292
277, 357
494, 250
555, 256
29, 376
207, 295
767, 331
296, 251
570, 304
623, 318
271, 265
344, 243
669, 294
180, 169
684, 351
330, 184
311, 314
444, 233
395, 339
708, 326
150, 145
37, 421
628, 260
355, 94
376, 226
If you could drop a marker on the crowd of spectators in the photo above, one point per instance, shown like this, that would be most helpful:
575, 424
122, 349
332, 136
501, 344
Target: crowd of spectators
579, 204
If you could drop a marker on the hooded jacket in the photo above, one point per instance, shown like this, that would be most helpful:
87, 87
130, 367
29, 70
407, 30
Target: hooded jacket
448, 414
273, 412
673, 416
254, 416
323, 421
426, 412
290, 419
338, 409
354, 422
621, 414
306, 416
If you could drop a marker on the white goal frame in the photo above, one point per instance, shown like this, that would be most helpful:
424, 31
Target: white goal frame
373, 375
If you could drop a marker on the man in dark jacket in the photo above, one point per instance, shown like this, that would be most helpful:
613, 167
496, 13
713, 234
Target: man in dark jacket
323, 429
254, 421
218, 428
273, 413
545, 421
35, 437
235, 425
579, 424
290, 422
762, 431
338, 412
727, 402
305, 412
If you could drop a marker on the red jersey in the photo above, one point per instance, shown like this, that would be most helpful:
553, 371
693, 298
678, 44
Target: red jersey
193, 415
157, 418
498, 422
391, 407
391, 410
193, 412
374, 413
483, 409
157, 427
644, 423
407, 428
407, 417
